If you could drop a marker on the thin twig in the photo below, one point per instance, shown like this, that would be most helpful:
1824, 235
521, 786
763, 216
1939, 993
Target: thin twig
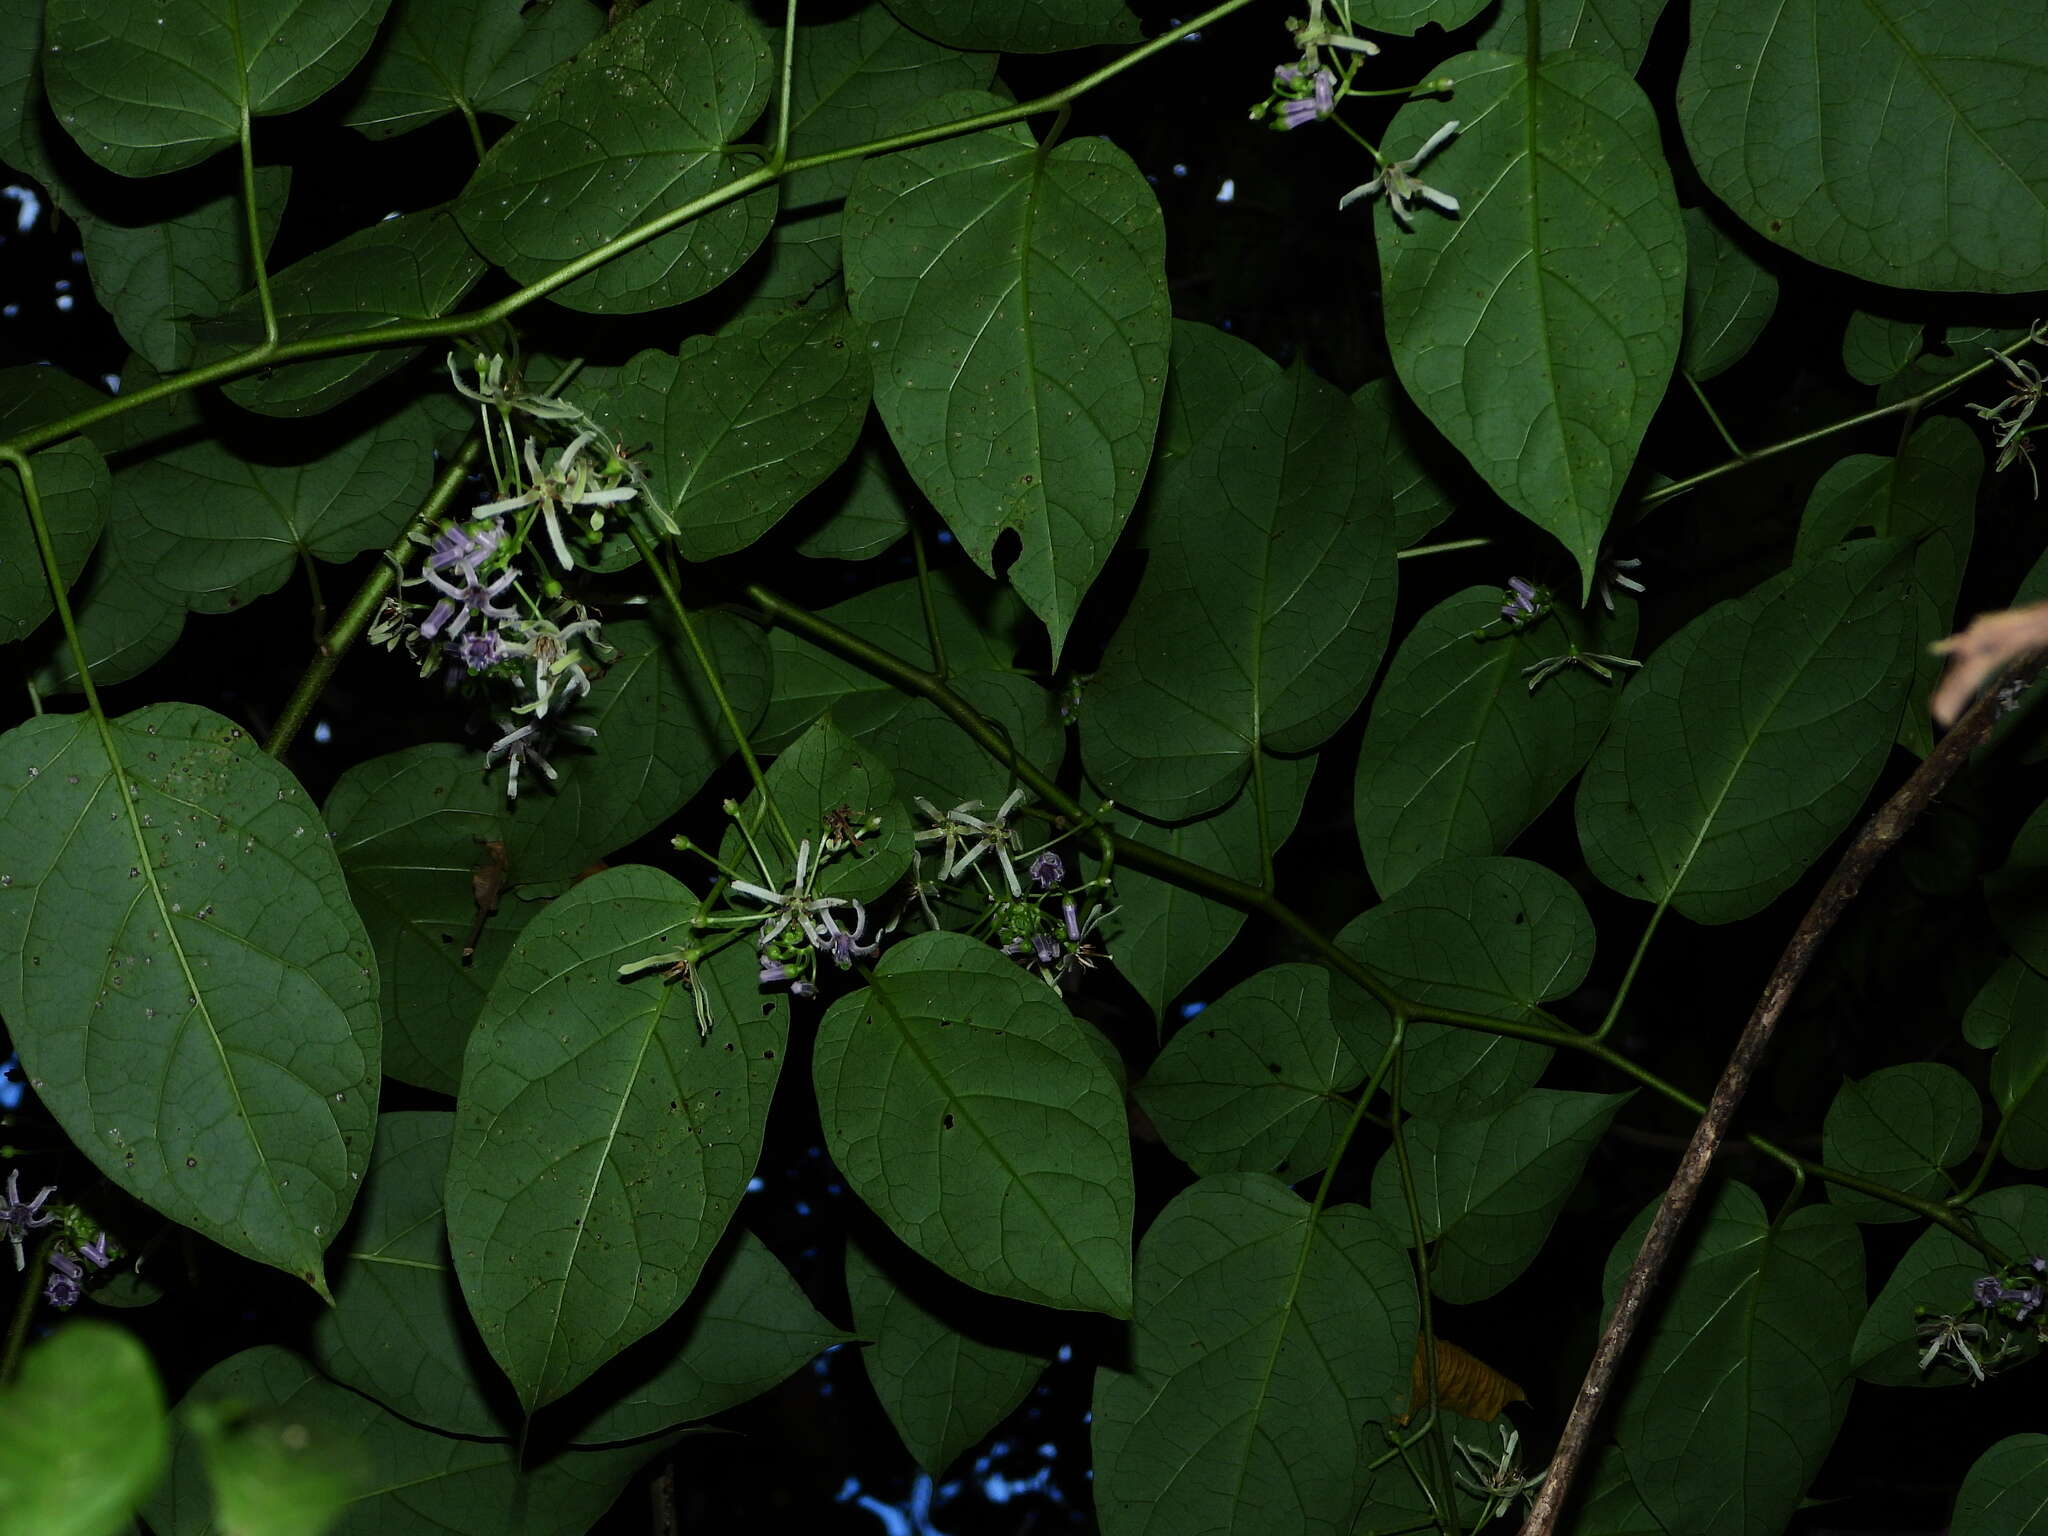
1877, 838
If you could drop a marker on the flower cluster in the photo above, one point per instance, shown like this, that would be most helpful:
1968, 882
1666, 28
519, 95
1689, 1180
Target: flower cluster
492, 614
1526, 605
1994, 1330
1043, 927
2009, 417
1497, 1477
65, 1282
1327, 53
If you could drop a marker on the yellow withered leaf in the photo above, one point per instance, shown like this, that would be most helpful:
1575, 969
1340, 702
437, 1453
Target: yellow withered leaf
1465, 1384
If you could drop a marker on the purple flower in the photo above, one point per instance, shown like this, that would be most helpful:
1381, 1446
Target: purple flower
463, 603
2029, 1300
1988, 1291
1306, 109
457, 545
480, 650
1073, 918
1522, 600
1047, 870
62, 1292
65, 1265
97, 1252
1286, 75
773, 972
2039, 1263
842, 946
1045, 949
19, 1217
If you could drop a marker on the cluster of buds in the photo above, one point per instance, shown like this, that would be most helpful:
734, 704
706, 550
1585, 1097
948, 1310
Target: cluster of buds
1326, 55
77, 1239
493, 614
1036, 918
2009, 418
1995, 1329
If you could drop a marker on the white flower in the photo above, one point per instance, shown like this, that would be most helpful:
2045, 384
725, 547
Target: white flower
1398, 180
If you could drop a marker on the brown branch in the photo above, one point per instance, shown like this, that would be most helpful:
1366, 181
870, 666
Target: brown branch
1879, 835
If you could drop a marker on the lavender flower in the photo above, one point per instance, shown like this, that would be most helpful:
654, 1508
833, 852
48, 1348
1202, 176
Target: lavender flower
1047, 870
19, 1217
1524, 601
98, 1252
2029, 1300
1398, 180
62, 1292
1320, 102
845, 947
1988, 1290
480, 650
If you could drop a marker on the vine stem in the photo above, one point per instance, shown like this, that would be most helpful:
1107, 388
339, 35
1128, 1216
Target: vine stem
709, 668
1439, 1458
1877, 837
418, 331
782, 96
1538, 1026
24, 1313
257, 264
363, 606
1912, 403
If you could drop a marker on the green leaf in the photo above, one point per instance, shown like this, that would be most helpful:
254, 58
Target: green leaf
1412, 458
2006, 1492
399, 1332
1265, 605
1927, 494
1729, 297
741, 425
126, 619
223, 521
192, 995
1743, 1382
1252, 1083
1020, 26
1937, 1273
1264, 1336
1539, 328
1875, 349
1165, 936
1891, 139
146, 89
1460, 754
396, 272
468, 56
82, 1433
853, 79
981, 626
821, 774
1019, 323
970, 1110
157, 275
1498, 937
1620, 29
863, 507
75, 492
1491, 1187
1900, 1126
601, 1144
2011, 1012
305, 1442
1751, 737
943, 1388
638, 125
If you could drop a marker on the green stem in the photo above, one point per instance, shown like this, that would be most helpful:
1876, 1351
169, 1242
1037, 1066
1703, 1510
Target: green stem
1968, 1192
415, 332
1635, 964
258, 263
781, 154
1246, 898
24, 1312
931, 612
709, 668
1714, 416
1417, 551
1439, 1457
476, 129
1664, 493
363, 606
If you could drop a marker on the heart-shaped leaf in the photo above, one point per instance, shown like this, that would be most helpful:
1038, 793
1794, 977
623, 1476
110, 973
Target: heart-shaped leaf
1886, 138
149, 88
971, 1111
1900, 1127
1019, 322
1538, 328
1265, 1335
209, 1037
467, 56
637, 125
1751, 737
601, 1140
1266, 601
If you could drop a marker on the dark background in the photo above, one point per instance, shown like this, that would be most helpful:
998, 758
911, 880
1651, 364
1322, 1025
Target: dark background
1276, 264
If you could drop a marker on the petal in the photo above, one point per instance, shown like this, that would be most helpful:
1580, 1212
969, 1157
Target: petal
1434, 143
1436, 199
1371, 188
